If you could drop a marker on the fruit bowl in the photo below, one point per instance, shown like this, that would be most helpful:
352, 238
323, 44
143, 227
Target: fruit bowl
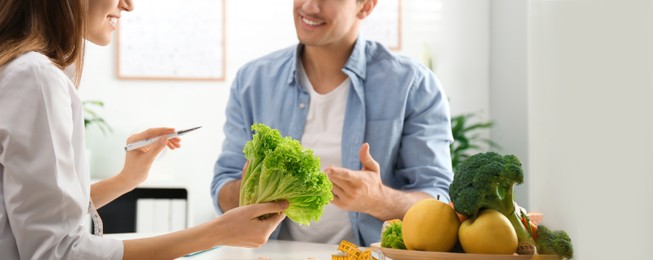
400, 254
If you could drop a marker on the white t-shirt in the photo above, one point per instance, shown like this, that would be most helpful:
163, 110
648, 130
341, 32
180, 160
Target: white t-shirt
323, 134
44, 176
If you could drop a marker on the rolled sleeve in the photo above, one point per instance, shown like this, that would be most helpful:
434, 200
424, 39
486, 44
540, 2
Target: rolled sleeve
425, 158
409, 135
230, 163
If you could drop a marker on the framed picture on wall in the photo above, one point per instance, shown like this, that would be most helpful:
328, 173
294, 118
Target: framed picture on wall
166, 39
384, 24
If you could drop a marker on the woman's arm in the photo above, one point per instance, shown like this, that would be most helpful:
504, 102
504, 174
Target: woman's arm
136, 169
237, 227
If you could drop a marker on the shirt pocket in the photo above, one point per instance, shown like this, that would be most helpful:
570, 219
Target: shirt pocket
384, 137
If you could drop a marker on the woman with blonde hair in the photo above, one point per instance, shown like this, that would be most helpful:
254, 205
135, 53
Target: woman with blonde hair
45, 190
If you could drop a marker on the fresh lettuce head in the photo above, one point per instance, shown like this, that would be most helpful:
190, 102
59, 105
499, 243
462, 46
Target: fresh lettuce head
392, 237
281, 169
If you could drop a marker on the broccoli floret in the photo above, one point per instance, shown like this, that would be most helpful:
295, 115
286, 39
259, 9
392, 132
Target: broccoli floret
486, 181
554, 242
392, 236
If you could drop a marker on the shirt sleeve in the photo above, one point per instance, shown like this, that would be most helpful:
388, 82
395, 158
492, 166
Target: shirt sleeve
44, 198
230, 163
424, 157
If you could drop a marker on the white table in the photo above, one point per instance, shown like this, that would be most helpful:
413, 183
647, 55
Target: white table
272, 250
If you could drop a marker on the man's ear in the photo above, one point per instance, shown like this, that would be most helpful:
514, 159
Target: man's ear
368, 6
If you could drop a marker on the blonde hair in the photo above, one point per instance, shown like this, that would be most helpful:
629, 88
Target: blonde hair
55, 28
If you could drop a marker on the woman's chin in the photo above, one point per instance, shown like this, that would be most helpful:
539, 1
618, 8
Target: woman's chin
101, 41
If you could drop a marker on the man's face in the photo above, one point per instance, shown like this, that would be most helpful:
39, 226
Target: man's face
327, 22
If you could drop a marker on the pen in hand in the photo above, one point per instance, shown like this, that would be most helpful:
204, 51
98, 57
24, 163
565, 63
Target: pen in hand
146, 142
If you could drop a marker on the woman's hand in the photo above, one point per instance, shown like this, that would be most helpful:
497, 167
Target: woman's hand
137, 166
139, 161
242, 227
238, 227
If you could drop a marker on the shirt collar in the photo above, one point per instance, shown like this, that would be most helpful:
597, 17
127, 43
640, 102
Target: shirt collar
356, 63
293, 76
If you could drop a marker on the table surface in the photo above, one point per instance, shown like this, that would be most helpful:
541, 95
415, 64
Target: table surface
272, 250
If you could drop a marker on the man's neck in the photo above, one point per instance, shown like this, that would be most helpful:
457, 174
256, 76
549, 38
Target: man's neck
323, 66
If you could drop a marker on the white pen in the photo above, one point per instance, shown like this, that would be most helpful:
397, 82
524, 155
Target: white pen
148, 141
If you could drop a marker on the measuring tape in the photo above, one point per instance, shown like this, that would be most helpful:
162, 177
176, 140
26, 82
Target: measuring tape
349, 251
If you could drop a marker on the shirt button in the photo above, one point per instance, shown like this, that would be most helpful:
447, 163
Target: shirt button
302, 105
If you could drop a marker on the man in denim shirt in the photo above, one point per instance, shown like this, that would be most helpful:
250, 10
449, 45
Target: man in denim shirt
379, 123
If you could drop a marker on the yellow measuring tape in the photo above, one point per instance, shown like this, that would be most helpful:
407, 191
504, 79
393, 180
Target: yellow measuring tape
349, 251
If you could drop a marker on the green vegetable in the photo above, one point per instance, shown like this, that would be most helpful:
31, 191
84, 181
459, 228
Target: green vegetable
392, 236
486, 181
554, 242
281, 169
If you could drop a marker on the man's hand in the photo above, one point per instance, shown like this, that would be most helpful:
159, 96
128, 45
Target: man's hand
363, 191
357, 190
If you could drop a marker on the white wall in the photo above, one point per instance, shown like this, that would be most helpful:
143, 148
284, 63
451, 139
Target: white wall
454, 30
508, 84
463, 55
590, 91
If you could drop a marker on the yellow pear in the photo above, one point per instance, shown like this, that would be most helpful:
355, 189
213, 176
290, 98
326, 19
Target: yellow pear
430, 225
489, 233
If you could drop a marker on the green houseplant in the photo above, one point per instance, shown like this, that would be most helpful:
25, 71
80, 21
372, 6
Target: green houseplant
91, 117
466, 139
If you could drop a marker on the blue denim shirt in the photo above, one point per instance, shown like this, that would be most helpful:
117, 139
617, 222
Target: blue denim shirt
395, 105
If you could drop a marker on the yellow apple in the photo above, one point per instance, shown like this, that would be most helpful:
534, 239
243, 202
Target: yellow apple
489, 233
430, 225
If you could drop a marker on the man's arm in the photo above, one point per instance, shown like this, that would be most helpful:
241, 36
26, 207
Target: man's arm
424, 155
228, 196
394, 203
225, 186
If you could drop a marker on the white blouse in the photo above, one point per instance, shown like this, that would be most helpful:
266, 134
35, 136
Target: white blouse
44, 176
